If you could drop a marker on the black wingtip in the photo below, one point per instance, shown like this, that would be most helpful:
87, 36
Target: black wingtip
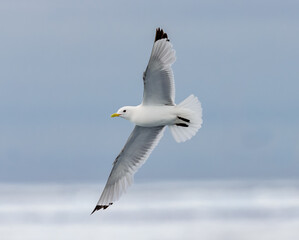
160, 34
98, 207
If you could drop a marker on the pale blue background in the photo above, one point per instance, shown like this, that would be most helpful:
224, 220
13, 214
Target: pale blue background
67, 65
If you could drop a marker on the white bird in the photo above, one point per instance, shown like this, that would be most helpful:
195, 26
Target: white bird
156, 111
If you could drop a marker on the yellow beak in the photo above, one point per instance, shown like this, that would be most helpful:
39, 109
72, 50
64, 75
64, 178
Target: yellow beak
115, 115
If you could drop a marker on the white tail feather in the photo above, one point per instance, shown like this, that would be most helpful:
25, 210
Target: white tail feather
191, 112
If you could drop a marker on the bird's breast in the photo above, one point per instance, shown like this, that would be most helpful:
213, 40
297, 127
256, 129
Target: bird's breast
152, 116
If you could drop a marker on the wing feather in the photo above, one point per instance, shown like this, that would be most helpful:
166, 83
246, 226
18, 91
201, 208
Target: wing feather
158, 77
138, 147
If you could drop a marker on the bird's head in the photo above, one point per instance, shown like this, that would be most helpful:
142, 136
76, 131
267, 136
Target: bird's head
124, 112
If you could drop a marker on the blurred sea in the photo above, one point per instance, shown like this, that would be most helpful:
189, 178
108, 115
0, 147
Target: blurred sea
213, 210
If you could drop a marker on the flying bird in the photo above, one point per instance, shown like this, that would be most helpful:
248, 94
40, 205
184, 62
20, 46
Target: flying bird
151, 117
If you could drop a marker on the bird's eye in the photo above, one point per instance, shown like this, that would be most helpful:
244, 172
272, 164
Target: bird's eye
124, 110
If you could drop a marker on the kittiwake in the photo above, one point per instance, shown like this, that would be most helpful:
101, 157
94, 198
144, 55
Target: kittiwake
156, 111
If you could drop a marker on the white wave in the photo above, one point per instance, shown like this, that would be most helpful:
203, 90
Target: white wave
178, 210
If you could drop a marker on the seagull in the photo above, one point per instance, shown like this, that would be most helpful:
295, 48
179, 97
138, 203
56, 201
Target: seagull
151, 117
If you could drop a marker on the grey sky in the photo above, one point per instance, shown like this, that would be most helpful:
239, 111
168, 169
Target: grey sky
65, 67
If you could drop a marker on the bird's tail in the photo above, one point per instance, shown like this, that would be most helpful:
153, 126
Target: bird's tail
188, 120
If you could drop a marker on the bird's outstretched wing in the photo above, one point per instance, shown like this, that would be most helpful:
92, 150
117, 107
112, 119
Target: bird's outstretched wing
158, 77
138, 147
